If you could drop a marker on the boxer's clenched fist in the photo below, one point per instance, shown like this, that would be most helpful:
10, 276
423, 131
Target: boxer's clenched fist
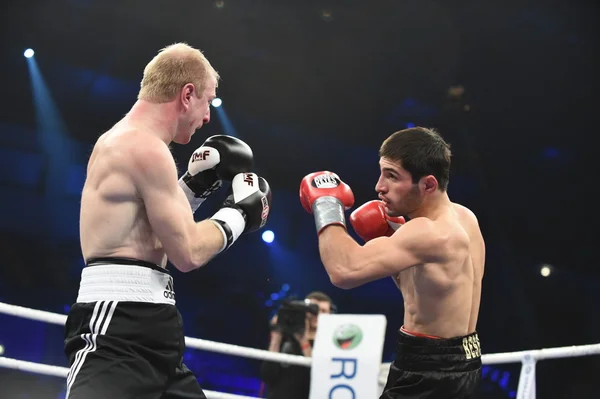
326, 196
246, 208
370, 221
219, 158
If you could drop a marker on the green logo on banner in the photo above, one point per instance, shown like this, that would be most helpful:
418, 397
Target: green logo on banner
347, 336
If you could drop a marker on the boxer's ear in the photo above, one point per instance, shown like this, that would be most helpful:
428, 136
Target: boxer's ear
429, 183
186, 95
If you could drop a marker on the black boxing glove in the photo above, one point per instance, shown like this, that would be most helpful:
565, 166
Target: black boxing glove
219, 158
246, 208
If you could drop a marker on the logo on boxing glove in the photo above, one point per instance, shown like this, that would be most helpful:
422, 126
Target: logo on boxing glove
326, 181
249, 179
200, 156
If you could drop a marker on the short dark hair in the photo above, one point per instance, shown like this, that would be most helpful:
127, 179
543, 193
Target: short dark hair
319, 296
421, 152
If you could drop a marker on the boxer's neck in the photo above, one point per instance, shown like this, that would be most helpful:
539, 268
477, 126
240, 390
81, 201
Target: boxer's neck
432, 206
160, 119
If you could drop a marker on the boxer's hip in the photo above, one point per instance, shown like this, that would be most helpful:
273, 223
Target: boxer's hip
429, 367
422, 353
128, 307
125, 280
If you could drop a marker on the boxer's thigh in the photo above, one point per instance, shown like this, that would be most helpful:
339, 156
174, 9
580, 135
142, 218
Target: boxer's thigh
117, 351
100, 372
403, 384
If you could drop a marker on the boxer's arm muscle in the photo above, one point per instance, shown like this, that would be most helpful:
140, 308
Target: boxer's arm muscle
188, 245
350, 265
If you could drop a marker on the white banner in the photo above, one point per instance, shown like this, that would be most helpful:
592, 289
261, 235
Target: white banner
347, 356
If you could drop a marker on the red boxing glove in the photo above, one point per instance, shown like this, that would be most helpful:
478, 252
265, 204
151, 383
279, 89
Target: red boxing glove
370, 221
327, 197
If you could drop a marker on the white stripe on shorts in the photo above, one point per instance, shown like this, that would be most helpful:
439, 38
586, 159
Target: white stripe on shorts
98, 326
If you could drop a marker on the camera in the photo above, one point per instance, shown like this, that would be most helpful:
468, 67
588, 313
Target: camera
291, 316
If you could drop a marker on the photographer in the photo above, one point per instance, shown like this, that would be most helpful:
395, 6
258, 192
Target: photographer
293, 331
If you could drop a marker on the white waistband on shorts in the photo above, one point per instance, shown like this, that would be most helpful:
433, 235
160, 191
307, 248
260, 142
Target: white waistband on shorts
126, 283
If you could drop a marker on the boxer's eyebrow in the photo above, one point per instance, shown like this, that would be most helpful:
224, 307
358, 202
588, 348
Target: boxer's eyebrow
391, 170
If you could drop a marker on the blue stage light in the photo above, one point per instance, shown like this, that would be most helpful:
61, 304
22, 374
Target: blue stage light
268, 236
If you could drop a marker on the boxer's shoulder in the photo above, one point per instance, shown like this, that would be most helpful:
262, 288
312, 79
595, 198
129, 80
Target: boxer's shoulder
129, 138
150, 161
132, 152
136, 148
464, 212
420, 225
468, 221
422, 234
434, 240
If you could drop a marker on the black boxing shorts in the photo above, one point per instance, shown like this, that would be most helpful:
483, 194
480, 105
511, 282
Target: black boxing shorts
432, 368
124, 336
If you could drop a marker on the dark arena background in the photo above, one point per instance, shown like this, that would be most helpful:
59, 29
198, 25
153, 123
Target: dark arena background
317, 85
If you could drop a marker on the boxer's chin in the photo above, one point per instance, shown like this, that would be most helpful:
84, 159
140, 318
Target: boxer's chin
390, 211
184, 139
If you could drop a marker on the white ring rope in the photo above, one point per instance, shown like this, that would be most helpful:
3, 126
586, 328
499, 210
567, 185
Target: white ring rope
32, 314
541, 354
37, 368
196, 343
243, 351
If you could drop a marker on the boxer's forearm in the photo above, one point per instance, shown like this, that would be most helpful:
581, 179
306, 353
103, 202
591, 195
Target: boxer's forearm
337, 249
205, 241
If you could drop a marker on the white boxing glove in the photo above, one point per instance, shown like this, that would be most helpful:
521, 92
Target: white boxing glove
219, 158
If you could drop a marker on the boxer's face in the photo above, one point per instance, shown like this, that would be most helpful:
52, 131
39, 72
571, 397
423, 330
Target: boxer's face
324, 307
396, 189
196, 110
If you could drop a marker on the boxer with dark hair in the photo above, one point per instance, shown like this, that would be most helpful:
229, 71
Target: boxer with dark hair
124, 335
436, 259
